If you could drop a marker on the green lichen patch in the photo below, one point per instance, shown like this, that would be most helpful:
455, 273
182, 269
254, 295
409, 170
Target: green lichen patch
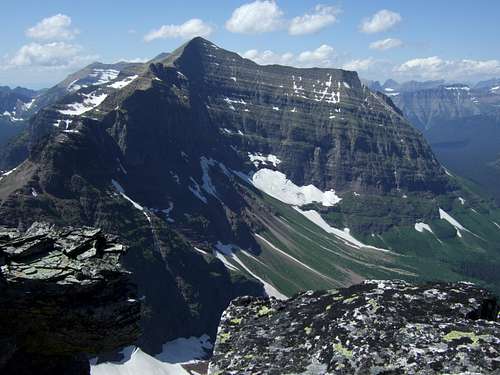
339, 348
224, 337
264, 310
235, 321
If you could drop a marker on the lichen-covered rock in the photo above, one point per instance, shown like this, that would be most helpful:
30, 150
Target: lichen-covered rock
63, 295
378, 327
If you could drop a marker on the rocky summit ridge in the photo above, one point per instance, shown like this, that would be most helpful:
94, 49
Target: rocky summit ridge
378, 327
63, 296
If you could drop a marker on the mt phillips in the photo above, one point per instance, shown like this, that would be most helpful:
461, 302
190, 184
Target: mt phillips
224, 178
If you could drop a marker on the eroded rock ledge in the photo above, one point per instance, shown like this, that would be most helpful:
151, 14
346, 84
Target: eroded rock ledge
378, 327
63, 296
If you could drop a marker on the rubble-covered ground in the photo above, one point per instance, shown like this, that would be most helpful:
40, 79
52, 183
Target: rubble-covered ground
378, 327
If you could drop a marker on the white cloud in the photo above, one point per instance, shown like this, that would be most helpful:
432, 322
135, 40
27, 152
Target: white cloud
189, 29
255, 18
436, 68
133, 60
57, 27
359, 65
322, 17
380, 21
320, 57
52, 52
385, 44
269, 57
48, 55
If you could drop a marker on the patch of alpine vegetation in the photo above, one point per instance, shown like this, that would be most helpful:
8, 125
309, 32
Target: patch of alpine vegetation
378, 327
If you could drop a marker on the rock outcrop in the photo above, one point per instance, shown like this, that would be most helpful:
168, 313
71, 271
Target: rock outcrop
378, 327
63, 296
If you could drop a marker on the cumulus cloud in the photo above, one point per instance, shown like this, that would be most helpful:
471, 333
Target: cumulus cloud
52, 50
48, 55
359, 65
380, 21
268, 57
385, 44
255, 18
322, 56
436, 68
57, 27
187, 30
322, 17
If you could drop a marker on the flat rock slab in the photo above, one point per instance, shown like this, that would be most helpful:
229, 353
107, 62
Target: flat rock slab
378, 327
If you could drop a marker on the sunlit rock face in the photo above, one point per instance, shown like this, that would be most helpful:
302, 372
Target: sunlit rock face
378, 327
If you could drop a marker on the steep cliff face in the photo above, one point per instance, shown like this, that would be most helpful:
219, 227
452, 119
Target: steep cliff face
428, 108
327, 128
227, 178
377, 327
63, 296
461, 122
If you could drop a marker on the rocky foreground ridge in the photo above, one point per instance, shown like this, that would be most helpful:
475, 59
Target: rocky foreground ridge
63, 296
378, 327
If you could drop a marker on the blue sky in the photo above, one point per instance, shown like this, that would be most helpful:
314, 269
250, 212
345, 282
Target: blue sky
43, 41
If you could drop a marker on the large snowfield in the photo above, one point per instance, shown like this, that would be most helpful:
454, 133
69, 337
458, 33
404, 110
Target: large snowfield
168, 362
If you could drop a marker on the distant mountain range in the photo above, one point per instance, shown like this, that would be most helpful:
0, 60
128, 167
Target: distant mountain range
228, 178
461, 122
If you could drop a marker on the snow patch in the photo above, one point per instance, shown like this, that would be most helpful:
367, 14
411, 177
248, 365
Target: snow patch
208, 186
275, 184
464, 88
195, 189
443, 215
137, 362
234, 101
28, 105
5, 174
136, 205
168, 211
227, 250
168, 362
257, 159
420, 227
185, 350
58, 123
104, 75
12, 116
125, 82
90, 101
344, 235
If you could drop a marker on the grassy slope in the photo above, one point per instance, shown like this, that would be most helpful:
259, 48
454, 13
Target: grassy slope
441, 255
